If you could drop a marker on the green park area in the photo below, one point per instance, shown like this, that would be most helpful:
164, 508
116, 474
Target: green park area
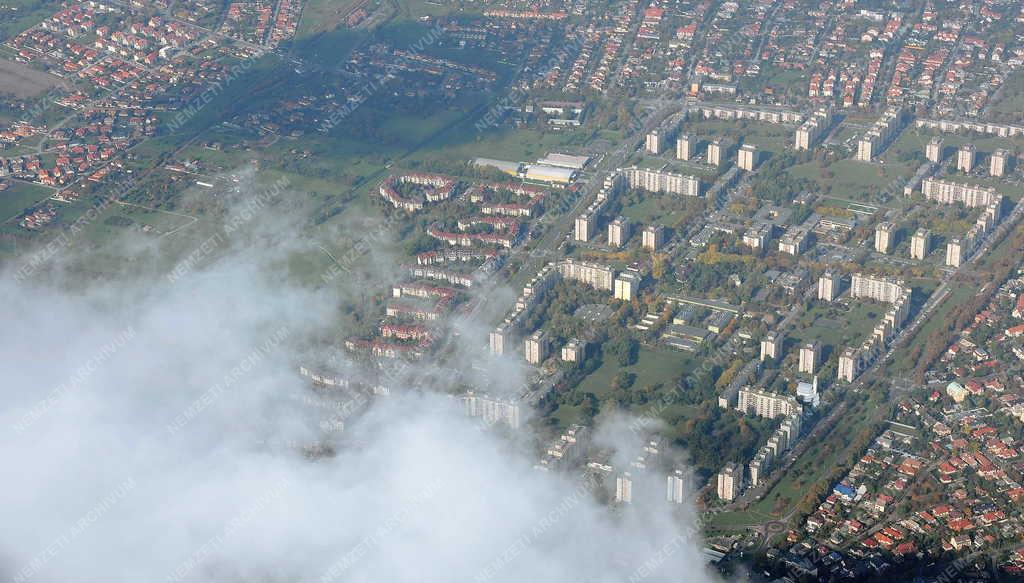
772, 139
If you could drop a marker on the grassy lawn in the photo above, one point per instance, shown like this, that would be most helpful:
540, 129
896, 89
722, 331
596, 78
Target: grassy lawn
771, 138
19, 196
652, 367
19, 15
838, 325
726, 521
816, 463
958, 295
852, 180
1012, 99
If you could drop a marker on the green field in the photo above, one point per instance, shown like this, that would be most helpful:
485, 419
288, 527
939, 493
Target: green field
20, 196
18, 15
838, 325
853, 180
1012, 100
770, 138
652, 367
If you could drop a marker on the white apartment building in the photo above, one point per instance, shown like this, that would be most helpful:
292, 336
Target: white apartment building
716, 153
771, 346
626, 286
920, 244
966, 157
997, 163
812, 130
624, 488
675, 487
492, 409
794, 242
933, 151
593, 274
828, 286
810, 357
747, 157
657, 181
885, 237
686, 147
536, 347
850, 365
955, 252
882, 289
730, 482
652, 143
653, 237
751, 401
947, 192
584, 227
618, 232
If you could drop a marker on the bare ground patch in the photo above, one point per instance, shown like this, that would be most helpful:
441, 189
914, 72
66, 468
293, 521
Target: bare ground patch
23, 81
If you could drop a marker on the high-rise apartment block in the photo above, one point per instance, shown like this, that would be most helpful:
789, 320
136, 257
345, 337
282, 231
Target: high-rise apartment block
997, 163
536, 347
881, 289
828, 286
652, 143
951, 192
686, 147
933, 151
881, 133
764, 404
955, 252
574, 351
593, 274
653, 237
920, 244
850, 364
810, 357
492, 409
795, 241
584, 227
626, 286
812, 130
716, 153
747, 157
676, 487
624, 488
730, 482
885, 237
618, 232
965, 158
771, 346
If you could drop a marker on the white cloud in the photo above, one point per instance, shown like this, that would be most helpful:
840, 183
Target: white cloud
415, 492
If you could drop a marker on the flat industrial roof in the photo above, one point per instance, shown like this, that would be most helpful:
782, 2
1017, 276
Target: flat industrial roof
564, 160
